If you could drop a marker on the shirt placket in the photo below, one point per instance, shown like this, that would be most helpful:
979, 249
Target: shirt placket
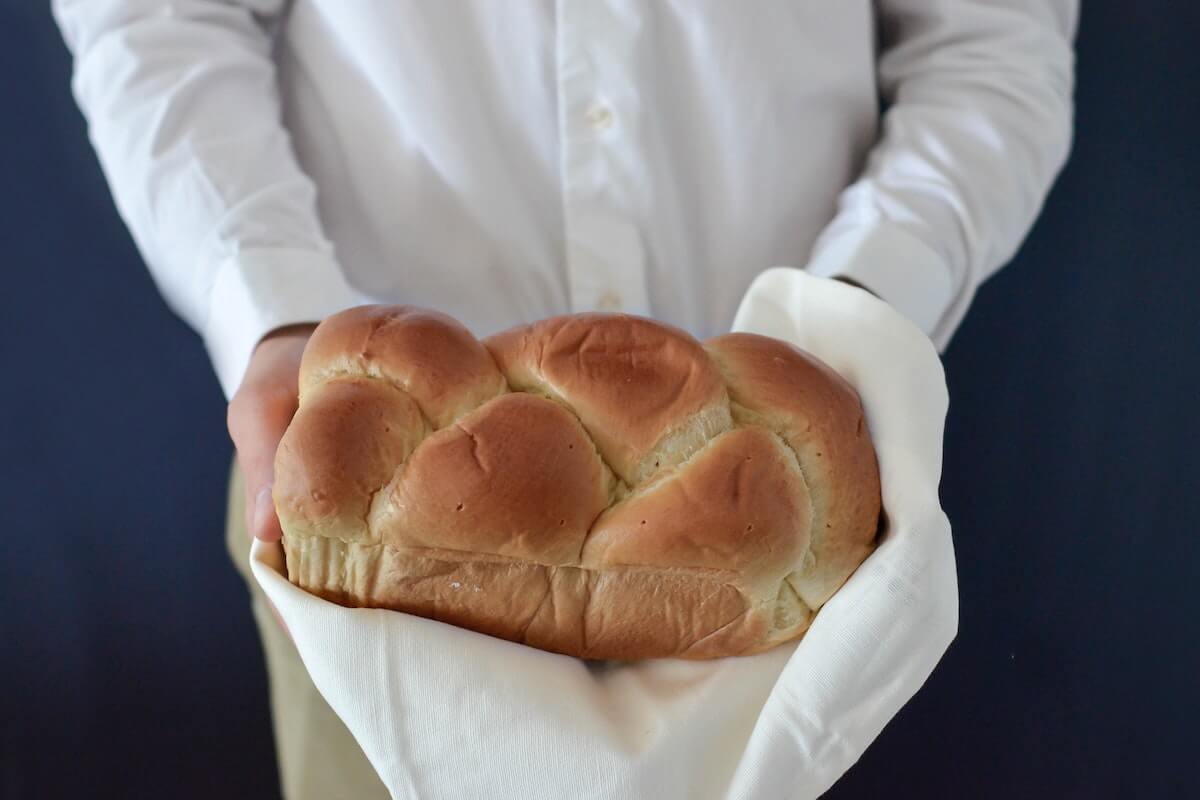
599, 111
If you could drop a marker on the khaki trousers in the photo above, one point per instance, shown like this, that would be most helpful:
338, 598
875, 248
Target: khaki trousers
318, 758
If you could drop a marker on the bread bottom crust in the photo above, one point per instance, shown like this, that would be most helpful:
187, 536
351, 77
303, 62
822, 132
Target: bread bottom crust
615, 612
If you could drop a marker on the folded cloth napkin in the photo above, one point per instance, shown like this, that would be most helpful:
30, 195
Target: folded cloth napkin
445, 712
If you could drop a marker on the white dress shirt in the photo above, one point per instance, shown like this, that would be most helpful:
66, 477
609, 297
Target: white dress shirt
506, 161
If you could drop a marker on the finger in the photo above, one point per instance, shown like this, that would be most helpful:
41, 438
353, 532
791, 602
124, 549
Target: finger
258, 415
266, 522
250, 504
259, 465
257, 425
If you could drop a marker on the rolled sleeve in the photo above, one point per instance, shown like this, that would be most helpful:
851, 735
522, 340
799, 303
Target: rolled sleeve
258, 291
895, 266
184, 113
977, 126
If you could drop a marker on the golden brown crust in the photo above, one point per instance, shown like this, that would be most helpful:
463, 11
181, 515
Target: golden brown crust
429, 355
631, 381
739, 506
518, 477
818, 414
598, 485
342, 447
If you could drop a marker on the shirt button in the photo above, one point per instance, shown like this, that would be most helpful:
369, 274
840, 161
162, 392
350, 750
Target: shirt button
600, 117
610, 301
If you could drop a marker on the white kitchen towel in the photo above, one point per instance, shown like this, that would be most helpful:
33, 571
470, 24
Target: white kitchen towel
443, 712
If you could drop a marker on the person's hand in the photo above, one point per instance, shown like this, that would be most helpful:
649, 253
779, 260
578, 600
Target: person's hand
258, 415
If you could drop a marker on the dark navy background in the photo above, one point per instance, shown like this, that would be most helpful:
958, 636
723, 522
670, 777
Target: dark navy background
129, 666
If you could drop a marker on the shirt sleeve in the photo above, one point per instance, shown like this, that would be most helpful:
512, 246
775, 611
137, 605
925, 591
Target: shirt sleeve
978, 120
183, 111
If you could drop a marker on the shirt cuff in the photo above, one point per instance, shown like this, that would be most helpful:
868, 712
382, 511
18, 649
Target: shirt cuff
892, 264
258, 291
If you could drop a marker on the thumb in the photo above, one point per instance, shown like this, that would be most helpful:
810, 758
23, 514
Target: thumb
256, 448
265, 522
258, 416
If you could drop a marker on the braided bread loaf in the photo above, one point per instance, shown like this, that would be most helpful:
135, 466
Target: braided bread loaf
599, 485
